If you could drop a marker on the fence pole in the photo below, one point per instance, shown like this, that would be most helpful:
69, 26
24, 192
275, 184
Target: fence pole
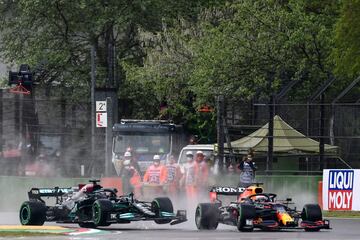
270, 135
93, 85
220, 130
322, 131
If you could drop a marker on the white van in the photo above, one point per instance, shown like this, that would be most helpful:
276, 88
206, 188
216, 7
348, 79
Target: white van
207, 149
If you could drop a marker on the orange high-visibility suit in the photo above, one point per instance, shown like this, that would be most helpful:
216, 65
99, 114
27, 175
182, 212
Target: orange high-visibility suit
156, 175
203, 174
173, 179
190, 180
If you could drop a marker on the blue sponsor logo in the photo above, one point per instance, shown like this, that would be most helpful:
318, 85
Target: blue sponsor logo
341, 179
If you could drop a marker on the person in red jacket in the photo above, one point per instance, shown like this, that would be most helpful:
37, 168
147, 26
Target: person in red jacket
173, 177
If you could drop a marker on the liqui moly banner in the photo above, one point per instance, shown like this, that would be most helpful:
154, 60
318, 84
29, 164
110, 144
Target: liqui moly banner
341, 189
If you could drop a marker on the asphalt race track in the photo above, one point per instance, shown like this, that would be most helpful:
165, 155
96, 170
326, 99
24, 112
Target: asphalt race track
342, 229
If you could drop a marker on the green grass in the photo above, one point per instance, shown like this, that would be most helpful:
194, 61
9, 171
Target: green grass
342, 214
24, 234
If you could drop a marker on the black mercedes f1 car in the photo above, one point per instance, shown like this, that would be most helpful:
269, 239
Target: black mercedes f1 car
92, 206
255, 209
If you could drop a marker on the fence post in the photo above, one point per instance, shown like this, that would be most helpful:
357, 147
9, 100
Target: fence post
220, 130
270, 135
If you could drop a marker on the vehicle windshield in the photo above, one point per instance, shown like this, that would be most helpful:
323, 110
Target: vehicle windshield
142, 143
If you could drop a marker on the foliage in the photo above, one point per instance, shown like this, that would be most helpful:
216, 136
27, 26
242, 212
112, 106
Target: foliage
263, 46
174, 56
346, 54
57, 37
241, 49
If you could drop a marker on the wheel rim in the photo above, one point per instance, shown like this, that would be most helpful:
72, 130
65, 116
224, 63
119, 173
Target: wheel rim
25, 214
96, 213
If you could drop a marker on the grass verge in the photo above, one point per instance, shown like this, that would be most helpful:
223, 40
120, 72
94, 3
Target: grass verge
24, 234
342, 214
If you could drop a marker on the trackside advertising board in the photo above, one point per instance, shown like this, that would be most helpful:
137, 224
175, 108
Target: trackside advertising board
341, 189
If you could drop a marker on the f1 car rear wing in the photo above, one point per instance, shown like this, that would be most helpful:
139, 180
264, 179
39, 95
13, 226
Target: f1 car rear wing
37, 193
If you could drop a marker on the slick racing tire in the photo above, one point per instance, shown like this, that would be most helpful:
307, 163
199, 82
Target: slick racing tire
246, 211
32, 213
101, 210
87, 225
207, 216
311, 212
162, 204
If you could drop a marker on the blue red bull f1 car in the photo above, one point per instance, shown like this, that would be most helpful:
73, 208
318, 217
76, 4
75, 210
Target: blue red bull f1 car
256, 209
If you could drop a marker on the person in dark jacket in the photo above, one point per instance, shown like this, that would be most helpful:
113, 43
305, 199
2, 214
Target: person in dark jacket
247, 168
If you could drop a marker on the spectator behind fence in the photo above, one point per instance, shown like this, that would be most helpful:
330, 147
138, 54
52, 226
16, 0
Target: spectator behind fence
248, 168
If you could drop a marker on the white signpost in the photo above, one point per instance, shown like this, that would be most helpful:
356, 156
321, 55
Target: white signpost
101, 114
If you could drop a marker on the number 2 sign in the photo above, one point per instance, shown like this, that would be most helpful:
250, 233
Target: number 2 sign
101, 106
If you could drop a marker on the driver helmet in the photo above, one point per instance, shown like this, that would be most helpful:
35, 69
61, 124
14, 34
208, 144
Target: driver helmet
260, 198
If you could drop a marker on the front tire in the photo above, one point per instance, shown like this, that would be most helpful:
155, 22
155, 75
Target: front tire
101, 211
311, 212
246, 212
87, 225
162, 204
32, 213
206, 216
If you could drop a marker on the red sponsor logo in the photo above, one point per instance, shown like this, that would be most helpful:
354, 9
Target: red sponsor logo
340, 200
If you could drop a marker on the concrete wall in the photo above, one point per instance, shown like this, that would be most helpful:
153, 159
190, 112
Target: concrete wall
302, 189
13, 190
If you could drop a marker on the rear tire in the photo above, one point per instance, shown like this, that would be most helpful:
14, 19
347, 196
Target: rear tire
246, 211
206, 216
311, 212
162, 204
101, 211
32, 213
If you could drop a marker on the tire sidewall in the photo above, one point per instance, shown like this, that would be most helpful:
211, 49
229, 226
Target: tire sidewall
25, 208
35, 212
206, 216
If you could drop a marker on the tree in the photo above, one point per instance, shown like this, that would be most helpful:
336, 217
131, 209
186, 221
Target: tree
240, 49
57, 37
346, 55
263, 46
